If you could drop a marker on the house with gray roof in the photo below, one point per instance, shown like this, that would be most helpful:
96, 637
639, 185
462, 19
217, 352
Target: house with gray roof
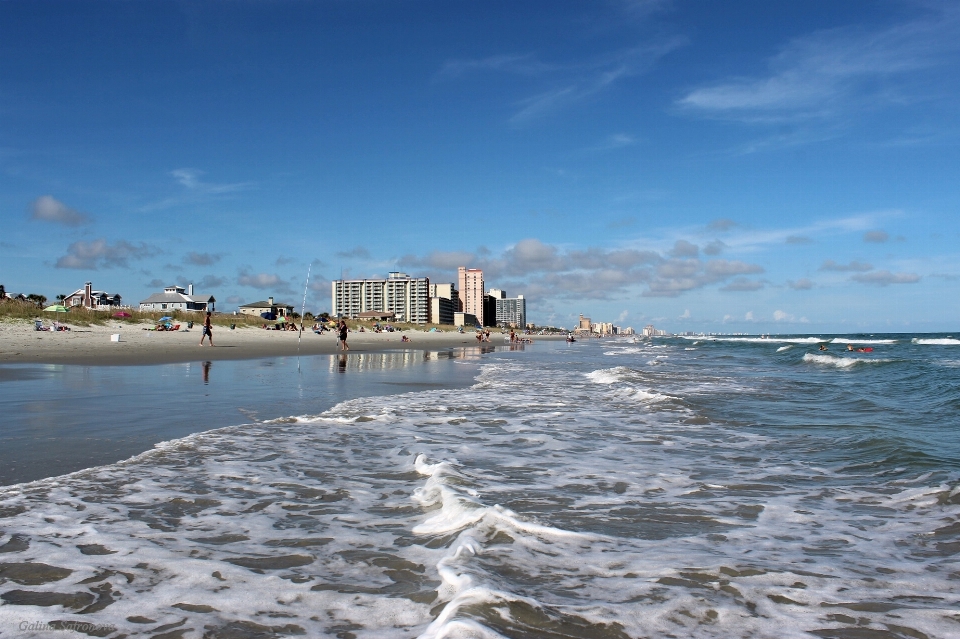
176, 298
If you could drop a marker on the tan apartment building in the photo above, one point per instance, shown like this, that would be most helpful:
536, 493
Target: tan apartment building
471, 291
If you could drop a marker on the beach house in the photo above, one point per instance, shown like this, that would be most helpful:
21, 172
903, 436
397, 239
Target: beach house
269, 306
94, 300
176, 298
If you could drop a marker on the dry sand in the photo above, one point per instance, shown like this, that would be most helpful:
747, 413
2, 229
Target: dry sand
92, 345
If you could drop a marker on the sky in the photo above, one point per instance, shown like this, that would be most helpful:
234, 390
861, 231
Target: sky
740, 166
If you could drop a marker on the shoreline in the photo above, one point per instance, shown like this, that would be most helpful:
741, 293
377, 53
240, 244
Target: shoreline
92, 345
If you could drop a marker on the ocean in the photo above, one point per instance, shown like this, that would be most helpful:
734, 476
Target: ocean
679, 487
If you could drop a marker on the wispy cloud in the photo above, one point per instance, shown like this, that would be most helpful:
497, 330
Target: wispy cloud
201, 259
583, 81
822, 73
190, 178
46, 208
876, 237
854, 266
195, 190
742, 284
520, 64
885, 278
356, 253
557, 85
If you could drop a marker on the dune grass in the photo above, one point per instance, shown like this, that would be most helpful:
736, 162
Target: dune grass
17, 311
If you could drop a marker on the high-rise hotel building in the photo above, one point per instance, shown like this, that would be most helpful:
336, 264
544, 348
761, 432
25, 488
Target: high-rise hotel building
407, 297
471, 291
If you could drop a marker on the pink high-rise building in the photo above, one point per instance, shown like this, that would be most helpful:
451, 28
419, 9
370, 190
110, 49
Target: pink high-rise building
471, 291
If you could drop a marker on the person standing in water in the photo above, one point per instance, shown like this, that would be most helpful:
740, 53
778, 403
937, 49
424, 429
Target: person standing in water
207, 330
343, 335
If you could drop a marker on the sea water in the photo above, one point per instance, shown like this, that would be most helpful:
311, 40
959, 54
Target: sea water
606, 488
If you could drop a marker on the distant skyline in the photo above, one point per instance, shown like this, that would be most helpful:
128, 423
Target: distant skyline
736, 166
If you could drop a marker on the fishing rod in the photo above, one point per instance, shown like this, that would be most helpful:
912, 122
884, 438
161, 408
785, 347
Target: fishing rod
303, 310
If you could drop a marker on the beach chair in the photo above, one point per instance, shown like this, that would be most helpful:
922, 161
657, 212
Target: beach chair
176, 327
38, 325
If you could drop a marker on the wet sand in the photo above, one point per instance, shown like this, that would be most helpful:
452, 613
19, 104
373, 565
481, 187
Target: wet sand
20, 344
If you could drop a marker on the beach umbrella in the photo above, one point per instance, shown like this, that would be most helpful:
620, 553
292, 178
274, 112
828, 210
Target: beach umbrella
122, 314
57, 308
281, 319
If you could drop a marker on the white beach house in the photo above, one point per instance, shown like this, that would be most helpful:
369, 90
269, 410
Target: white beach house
176, 298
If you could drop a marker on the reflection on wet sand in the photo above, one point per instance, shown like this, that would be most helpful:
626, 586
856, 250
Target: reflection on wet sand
403, 359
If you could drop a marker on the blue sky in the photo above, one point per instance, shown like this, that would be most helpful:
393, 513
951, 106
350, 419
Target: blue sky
722, 166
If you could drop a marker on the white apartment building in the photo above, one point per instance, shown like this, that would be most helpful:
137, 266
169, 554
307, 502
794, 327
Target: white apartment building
406, 297
603, 328
471, 291
512, 312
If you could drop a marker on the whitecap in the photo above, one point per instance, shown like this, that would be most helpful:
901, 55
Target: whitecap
608, 375
943, 341
840, 362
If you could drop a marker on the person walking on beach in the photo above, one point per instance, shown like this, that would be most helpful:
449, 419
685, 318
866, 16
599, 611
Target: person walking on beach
343, 335
207, 330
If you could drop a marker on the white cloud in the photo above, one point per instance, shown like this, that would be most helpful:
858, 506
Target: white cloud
264, 281
440, 260
685, 314
49, 209
99, 253
202, 259
854, 266
876, 237
885, 278
803, 284
749, 316
782, 316
683, 248
622, 317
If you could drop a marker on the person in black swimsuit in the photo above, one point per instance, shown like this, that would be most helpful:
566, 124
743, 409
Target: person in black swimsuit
343, 335
207, 330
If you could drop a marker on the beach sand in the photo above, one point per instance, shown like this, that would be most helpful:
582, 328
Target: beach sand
92, 345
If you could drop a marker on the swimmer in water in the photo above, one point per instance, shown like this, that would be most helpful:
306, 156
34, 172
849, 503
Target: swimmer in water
823, 347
